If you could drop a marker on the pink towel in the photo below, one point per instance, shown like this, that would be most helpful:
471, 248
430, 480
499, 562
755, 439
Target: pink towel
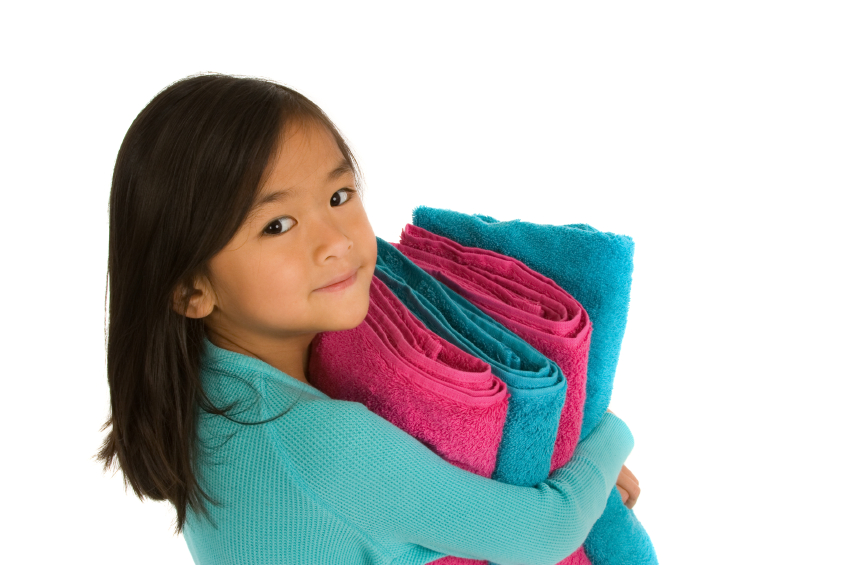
529, 304
446, 398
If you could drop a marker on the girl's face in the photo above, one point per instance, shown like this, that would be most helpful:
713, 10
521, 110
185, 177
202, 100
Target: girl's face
308, 230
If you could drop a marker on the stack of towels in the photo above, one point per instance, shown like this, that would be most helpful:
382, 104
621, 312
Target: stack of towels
495, 344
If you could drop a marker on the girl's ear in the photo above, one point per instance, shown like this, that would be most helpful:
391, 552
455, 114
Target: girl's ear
195, 302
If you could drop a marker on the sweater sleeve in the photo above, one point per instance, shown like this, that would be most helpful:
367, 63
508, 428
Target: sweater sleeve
395, 490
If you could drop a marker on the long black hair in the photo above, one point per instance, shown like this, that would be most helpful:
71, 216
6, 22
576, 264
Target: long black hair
185, 177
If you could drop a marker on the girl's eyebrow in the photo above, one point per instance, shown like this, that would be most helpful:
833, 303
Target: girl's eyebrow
341, 169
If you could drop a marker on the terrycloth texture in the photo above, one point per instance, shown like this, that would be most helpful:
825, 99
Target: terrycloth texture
536, 404
525, 302
618, 538
595, 267
536, 384
445, 398
442, 396
326, 481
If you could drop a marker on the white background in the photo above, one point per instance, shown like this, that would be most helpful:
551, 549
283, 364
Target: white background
716, 134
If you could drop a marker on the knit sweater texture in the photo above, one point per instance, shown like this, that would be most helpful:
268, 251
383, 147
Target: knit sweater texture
328, 482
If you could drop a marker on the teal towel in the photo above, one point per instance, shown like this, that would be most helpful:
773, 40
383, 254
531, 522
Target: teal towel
536, 385
595, 267
618, 538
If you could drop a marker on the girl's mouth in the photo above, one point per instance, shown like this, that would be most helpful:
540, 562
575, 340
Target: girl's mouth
341, 285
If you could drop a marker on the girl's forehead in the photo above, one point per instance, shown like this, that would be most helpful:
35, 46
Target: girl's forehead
306, 150
302, 133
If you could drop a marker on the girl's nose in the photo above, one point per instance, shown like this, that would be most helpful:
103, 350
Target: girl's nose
331, 240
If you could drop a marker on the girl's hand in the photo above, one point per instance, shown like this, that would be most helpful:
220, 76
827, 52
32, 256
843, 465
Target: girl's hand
629, 487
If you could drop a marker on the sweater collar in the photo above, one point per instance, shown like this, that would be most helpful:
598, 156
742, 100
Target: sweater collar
218, 360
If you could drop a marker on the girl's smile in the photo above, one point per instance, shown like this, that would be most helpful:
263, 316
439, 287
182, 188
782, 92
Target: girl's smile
336, 284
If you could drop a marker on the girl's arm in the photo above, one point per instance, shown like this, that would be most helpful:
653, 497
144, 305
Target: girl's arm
394, 489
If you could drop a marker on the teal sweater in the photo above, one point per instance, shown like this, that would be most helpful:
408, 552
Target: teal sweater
330, 482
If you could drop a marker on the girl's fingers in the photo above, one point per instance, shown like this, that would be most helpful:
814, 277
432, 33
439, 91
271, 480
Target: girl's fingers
632, 500
630, 486
627, 483
628, 472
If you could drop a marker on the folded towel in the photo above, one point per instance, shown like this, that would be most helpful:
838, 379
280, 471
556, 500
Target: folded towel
525, 302
529, 304
446, 398
595, 267
536, 385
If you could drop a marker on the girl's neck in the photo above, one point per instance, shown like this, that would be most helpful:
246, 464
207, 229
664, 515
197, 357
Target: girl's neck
290, 356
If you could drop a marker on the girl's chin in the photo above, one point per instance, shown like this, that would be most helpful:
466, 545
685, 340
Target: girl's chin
347, 318
353, 323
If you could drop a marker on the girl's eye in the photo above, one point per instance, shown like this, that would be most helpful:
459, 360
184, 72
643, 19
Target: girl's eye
335, 200
278, 226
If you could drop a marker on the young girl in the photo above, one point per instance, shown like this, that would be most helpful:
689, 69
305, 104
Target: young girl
237, 233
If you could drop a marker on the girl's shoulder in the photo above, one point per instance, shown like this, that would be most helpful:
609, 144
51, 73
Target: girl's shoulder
238, 376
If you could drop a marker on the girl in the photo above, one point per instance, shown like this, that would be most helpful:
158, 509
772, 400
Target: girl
237, 233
